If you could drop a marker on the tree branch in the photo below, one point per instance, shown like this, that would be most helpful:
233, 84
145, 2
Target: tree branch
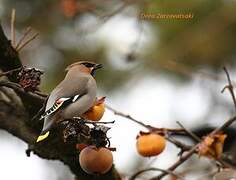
230, 87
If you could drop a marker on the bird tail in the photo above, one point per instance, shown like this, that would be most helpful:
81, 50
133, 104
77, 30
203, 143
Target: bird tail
43, 136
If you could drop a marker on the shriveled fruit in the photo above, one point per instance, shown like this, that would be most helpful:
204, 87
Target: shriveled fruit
212, 145
95, 160
150, 144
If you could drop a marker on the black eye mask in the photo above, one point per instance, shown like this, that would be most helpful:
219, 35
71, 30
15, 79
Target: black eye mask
88, 65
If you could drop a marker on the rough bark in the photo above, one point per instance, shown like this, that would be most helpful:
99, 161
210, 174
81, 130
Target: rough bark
16, 118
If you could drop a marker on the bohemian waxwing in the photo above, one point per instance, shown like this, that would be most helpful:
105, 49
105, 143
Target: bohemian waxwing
74, 96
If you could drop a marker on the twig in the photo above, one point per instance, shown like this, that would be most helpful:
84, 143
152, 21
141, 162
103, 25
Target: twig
229, 87
231, 90
191, 134
13, 32
27, 31
172, 131
130, 118
99, 122
94, 122
224, 126
179, 144
10, 72
27, 42
178, 163
133, 177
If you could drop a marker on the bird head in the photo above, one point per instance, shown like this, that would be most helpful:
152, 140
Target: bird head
85, 66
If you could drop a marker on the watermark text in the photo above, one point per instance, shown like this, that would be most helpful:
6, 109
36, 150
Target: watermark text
153, 16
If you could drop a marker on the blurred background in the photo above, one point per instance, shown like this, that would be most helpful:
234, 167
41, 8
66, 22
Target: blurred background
159, 70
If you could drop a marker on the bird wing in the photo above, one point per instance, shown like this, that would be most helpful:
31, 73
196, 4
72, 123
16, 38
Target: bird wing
62, 96
54, 108
69, 87
60, 103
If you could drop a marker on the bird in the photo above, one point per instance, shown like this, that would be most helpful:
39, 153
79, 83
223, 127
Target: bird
96, 112
72, 97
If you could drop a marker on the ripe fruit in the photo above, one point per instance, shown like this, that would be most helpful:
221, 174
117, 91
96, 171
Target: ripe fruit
95, 160
150, 144
96, 112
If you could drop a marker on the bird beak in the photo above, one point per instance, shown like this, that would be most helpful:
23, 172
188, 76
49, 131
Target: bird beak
97, 66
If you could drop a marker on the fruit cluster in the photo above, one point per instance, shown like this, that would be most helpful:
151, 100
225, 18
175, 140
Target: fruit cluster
92, 144
29, 78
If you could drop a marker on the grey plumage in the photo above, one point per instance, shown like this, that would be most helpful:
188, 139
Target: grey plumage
78, 90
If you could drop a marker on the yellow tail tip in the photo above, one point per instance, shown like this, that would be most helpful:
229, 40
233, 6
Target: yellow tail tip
43, 136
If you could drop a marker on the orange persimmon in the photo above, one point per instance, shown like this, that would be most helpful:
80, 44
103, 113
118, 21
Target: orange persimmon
96, 112
150, 144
